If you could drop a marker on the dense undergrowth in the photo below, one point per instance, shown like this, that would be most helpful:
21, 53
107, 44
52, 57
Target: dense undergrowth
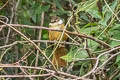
93, 27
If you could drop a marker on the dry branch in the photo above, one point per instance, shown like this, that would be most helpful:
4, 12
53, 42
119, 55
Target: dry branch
68, 32
39, 68
26, 38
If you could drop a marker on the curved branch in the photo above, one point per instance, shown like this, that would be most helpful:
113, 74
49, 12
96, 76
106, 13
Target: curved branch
68, 32
26, 38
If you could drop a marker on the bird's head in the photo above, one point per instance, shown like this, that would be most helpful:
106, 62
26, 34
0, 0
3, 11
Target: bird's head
56, 21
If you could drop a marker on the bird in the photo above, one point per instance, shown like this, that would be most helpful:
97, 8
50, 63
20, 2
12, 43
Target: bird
57, 23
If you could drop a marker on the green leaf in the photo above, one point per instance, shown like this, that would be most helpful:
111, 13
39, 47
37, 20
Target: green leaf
59, 12
94, 13
68, 57
107, 13
45, 8
104, 58
92, 44
116, 34
115, 31
83, 16
89, 30
58, 4
41, 9
114, 43
36, 11
75, 54
45, 36
115, 27
118, 60
34, 18
87, 5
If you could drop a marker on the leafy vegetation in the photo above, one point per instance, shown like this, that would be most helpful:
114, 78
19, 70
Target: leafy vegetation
93, 47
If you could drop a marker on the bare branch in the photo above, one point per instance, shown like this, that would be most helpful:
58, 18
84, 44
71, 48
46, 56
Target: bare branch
26, 38
38, 41
68, 32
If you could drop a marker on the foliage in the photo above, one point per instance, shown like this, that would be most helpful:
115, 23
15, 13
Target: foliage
99, 19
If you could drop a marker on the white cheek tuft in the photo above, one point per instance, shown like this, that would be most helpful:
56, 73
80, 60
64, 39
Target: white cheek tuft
60, 21
50, 24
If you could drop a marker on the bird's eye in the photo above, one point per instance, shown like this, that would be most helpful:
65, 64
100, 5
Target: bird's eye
55, 19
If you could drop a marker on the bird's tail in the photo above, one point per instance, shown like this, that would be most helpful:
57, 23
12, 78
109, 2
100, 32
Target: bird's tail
60, 51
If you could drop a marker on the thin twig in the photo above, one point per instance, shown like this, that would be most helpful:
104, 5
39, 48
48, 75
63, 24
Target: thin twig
97, 61
112, 10
114, 74
107, 60
38, 41
39, 38
16, 76
68, 32
11, 20
4, 5
25, 72
37, 68
26, 38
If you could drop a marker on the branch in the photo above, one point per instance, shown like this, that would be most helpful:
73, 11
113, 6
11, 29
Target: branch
26, 38
37, 68
98, 59
14, 76
38, 41
68, 32
4, 5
